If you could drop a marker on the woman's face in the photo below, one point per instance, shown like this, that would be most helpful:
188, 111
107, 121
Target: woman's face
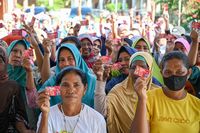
72, 88
66, 58
96, 47
142, 46
86, 47
180, 47
124, 61
133, 68
16, 55
174, 67
71, 32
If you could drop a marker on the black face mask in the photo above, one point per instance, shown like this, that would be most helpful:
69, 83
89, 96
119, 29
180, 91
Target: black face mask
175, 83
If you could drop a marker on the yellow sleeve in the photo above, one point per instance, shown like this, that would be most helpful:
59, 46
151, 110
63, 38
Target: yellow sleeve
148, 106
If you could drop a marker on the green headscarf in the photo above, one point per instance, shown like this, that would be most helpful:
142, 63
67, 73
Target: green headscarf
141, 58
156, 70
17, 73
137, 39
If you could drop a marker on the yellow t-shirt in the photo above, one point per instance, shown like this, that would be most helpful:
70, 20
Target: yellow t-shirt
166, 115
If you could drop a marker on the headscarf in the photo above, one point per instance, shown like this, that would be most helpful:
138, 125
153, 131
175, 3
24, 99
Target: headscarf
122, 100
148, 59
97, 39
91, 59
17, 73
139, 38
85, 36
127, 49
184, 42
129, 41
80, 63
156, 72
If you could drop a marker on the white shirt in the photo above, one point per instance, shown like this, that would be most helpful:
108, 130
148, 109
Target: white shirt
90, 121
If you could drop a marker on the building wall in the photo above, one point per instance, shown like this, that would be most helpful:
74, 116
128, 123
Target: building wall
3, 8
30, 2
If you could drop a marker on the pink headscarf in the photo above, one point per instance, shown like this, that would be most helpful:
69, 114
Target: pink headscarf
184, 42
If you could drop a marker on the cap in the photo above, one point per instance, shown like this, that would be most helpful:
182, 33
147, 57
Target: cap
178, 30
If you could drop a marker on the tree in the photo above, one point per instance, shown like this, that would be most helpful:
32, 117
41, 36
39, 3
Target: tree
58, 4
190, 11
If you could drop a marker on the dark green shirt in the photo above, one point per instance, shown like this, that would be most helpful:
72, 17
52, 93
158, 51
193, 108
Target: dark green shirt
195, 79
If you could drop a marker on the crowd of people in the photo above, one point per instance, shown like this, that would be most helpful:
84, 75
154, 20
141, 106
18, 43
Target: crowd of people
116, 75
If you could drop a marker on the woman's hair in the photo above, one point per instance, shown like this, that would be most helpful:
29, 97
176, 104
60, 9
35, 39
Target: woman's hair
70, 69
73, 39
176, 55
64, 48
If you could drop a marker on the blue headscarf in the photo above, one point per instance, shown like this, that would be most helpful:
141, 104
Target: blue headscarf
127, 49
80, 63
129, 41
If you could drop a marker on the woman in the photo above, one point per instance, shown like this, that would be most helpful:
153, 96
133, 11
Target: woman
170, 109
20, 69
12, 110
141, 44
68, 55
123, 57
182, 45
120, 103
71, 115
87, 49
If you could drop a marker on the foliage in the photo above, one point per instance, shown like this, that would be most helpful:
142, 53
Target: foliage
191, 13
58, 4
190, 10
111, 6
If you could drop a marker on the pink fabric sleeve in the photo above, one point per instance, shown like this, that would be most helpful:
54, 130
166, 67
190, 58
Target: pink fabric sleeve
31, 96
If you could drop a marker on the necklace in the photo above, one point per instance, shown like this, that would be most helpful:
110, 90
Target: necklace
65, 122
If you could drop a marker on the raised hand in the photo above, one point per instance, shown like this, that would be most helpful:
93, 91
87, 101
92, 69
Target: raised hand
43, 101
77, 28
47, 44
107, 70
98, 70
26, 63
194, 36
32, 34
140, 88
